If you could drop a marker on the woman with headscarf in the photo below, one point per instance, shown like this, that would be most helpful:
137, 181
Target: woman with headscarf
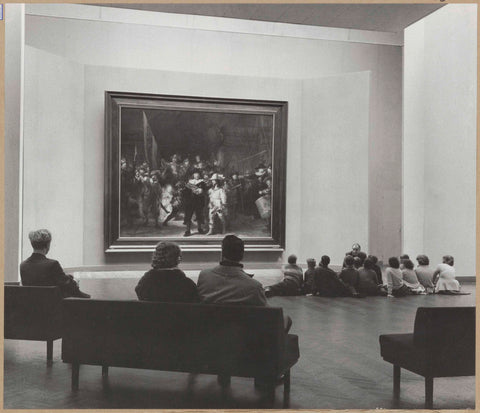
165, 281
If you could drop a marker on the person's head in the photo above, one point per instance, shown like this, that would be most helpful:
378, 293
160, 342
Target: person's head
349, 261
408, 264
325, 260
268, 182
175, 157
311, 262
368, 264
232, 248
198, 158
404, 257
292, 259
423, 260
166, 255
357, 262
448, 259
186, 161
40, 240
393, 262
196, 175
356, 248
373, 258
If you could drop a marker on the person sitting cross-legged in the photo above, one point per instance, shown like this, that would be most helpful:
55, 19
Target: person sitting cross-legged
349, 275
395, 284
368, 283
327, 283
425, 273
40, 271
410, 278
292, 280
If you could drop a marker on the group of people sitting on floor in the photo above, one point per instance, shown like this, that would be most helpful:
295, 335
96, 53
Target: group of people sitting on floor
362, 276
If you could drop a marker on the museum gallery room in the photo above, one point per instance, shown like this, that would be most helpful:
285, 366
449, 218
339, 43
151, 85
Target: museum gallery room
240, 206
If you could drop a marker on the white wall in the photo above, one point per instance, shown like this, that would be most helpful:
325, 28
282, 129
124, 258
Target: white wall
53, 153
440, 136
156, 59
14, 46
334, 173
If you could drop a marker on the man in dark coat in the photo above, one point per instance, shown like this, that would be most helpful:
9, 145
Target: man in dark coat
326, 281
38, 270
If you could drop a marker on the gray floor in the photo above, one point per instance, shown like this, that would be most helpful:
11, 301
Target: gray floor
340, 365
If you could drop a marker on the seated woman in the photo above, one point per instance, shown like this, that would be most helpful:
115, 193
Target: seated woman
368, 283
165, 281
410, 278
444, 277
395, 284
425, 273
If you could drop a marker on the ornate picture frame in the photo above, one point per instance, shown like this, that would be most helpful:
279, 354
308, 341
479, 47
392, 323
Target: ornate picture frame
189, 169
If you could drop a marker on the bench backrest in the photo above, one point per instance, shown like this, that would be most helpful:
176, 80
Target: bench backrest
448, 334
172, 336
32, 313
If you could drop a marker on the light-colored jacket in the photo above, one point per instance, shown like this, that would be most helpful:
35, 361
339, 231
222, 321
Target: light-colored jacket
230, 285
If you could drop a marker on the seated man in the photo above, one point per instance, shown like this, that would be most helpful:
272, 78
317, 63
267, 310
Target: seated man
326, 281
38, 270
228, 283
292, 280
349, 275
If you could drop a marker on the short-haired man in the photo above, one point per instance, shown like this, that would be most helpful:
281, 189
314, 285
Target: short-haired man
228, 282
292, 283
326, 281
38, 270
349, 275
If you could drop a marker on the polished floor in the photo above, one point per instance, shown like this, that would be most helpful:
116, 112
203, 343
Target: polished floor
339, 368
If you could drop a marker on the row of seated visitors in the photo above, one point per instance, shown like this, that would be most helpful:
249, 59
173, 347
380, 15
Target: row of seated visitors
362, 276
227, 283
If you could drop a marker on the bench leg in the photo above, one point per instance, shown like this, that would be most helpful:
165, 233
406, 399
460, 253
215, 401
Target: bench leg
286, 390
396, 381
224, 380
49, 350
104, 371
428, 392
75, 375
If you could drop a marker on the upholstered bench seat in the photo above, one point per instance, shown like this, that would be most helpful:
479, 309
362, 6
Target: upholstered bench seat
441, 345
195, 338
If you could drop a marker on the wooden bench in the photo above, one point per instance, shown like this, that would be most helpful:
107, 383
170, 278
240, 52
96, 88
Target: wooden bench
33, 313
196, 338
442, 345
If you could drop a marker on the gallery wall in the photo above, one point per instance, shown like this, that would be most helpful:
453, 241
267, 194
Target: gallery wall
440, 136
54, 161
335, 130
189, 61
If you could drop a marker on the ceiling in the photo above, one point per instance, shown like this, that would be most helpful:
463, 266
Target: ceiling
377, 17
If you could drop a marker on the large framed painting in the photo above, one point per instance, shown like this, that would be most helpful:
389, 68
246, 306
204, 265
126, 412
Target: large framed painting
190, 169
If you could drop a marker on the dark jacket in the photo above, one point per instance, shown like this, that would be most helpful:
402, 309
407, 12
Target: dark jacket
167, 284
368, 282
328, 284
350, 277
38, 270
